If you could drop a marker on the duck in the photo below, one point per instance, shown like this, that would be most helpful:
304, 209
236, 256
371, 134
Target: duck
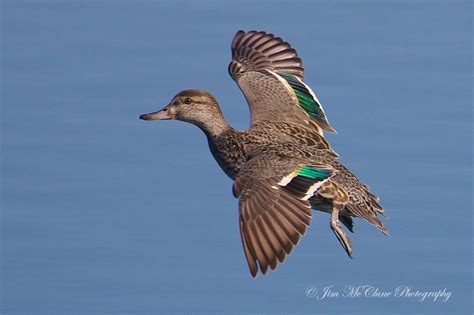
282, 167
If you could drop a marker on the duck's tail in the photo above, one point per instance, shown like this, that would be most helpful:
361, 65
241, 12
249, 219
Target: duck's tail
362, 203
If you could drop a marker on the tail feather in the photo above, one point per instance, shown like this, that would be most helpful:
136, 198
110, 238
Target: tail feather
367, 213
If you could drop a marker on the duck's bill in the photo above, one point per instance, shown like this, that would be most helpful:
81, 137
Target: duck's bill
164, 114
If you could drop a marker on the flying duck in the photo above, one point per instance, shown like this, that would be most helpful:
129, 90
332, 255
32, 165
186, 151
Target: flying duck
282, 166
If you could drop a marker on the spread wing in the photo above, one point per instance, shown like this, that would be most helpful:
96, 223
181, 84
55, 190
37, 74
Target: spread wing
273, 194
270, 74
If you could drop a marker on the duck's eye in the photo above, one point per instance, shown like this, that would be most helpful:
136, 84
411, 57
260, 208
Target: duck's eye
187, 100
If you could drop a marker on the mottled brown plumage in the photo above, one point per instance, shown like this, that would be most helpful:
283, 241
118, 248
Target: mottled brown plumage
282, 166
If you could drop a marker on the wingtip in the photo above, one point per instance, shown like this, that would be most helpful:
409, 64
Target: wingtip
271, 53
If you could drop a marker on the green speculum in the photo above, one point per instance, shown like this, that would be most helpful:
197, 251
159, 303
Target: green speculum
305, 99
313, 173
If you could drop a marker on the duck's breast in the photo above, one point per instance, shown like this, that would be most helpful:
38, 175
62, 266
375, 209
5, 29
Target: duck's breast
230, 152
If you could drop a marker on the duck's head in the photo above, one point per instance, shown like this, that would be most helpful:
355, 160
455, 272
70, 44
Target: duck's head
194, 106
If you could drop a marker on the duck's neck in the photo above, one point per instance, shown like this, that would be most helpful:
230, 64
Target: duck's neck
214, 126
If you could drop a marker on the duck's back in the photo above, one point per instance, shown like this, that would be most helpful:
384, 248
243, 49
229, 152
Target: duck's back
286, 133
233, 148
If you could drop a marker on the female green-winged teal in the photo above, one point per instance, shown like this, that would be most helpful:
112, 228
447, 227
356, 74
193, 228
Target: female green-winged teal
282, 166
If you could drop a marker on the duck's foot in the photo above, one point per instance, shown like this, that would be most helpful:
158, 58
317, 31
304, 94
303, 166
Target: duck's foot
339, 199
339, 232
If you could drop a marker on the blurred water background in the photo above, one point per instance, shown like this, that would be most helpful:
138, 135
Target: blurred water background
104, 214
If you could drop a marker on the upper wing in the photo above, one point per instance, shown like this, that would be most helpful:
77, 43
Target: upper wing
270, 74
273, 194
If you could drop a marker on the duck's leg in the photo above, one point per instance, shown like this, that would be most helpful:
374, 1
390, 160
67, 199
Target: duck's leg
337, 229
339, 199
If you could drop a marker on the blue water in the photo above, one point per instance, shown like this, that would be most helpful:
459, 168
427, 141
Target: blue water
104, 214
